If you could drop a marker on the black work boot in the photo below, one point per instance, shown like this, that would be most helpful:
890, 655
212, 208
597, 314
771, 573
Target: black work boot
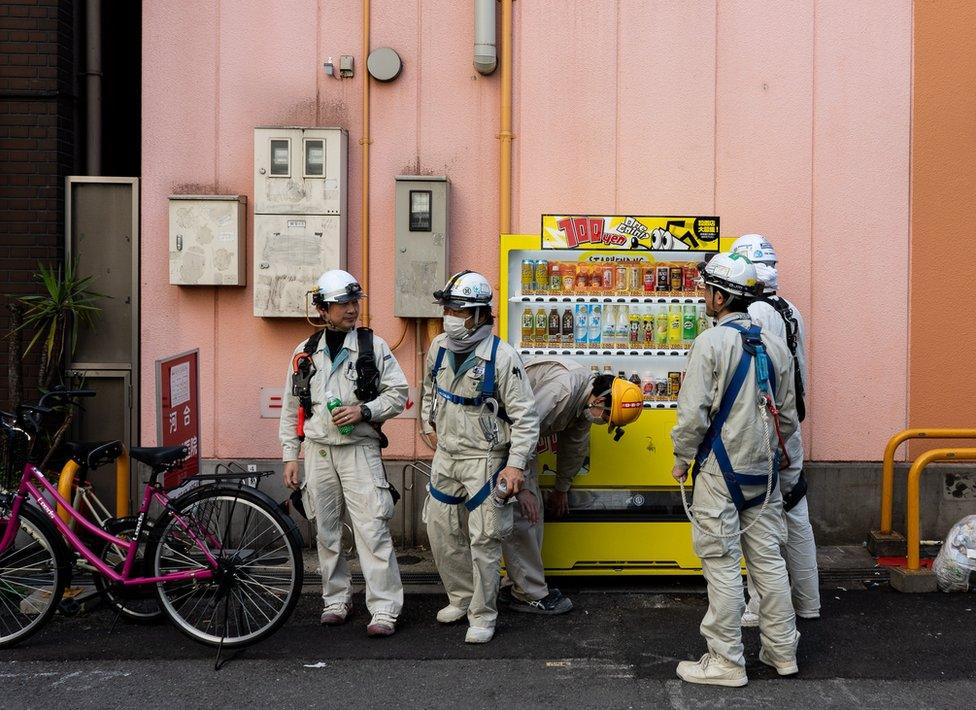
553, 604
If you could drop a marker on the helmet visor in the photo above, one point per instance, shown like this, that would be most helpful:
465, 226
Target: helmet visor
352, 292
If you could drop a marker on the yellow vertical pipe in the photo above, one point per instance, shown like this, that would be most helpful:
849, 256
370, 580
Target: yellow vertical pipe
364, 142
122, 484
505, 133
66, 484
912, 521
888, 463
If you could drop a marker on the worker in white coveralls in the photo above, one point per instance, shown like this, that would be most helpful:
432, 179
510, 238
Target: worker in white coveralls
774, 314
351, 372
735, 411
570, 399
478, 402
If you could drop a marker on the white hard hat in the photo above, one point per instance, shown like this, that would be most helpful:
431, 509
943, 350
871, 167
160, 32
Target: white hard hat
337, 286
466, 289
756, 248
731, 272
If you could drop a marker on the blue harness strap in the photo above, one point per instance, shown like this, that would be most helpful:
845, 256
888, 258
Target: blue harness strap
485, 392
752, 350
470, 503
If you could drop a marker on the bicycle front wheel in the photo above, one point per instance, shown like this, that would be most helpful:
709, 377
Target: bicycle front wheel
32, 576
259, 571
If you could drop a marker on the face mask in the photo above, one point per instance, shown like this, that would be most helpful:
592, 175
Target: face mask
455, 328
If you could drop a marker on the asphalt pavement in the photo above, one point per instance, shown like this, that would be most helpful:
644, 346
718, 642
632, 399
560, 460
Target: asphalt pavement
617, 648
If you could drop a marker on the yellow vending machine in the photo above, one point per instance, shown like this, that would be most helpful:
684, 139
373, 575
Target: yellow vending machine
618, 294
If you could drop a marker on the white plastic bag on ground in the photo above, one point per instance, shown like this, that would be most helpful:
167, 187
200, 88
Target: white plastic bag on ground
955, 567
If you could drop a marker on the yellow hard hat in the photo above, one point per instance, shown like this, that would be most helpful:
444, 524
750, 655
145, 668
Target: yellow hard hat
626, 404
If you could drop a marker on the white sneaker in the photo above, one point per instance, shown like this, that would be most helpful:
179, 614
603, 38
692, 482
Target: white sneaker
479, 634
750, 619
336, 614
782, 667
712, 670
451, 614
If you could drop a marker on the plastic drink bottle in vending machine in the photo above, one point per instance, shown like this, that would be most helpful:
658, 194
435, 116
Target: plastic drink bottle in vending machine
634, 281
541, 276
568, 326
675, 325
555, 328
595, 325
620, 278
528, 328
647, 318
606, 278
622, 331
647, 386
661, 325
568, 271
582, 324
555, 277
609, 326
704, 321
689, 324
541, 329
633, 328
582, 278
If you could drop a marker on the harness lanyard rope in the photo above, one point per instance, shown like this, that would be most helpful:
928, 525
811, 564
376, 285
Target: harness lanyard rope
769, 486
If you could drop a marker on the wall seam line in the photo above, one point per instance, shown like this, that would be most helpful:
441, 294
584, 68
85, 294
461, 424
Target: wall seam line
715, 121
216, 339
811, 359
616, 105
910, 186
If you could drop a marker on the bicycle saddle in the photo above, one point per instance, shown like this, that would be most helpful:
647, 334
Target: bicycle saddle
95, 453
159, 456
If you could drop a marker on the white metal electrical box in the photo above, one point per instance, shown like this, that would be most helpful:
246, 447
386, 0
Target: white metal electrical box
421, 226
206, 240
299, 214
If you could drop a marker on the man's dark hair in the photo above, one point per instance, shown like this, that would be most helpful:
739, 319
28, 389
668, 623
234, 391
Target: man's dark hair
734, 303
602, 385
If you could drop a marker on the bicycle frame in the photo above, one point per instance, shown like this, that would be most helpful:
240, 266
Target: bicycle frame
28, 488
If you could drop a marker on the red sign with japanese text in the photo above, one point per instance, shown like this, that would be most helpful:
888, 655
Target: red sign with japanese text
178, 411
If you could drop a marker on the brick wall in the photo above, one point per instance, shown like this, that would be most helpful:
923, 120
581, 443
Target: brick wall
37, 149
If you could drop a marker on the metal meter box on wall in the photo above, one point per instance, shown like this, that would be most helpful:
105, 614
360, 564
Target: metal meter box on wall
206, 240
422, 203
299, 214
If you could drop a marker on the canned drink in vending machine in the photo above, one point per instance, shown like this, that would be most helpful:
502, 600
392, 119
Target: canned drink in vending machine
674, 384
648, 276
690, 272
677, 278
528, 276
663, 278
541, 276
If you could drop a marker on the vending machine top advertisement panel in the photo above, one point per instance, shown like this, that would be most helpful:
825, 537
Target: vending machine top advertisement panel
620, 295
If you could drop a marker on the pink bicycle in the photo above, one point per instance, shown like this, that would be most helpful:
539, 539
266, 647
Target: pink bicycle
225, 562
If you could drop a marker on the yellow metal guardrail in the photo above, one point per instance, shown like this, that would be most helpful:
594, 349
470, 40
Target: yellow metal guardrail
888, 464
66, 485
912, 516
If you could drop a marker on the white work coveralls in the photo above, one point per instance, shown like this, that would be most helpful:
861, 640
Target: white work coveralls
712, 361
562, 389
346, 471
801, 549
464, 460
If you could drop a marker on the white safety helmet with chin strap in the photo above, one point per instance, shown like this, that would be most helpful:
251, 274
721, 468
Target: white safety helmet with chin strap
465, 289
760, 252
731, 272
337, 286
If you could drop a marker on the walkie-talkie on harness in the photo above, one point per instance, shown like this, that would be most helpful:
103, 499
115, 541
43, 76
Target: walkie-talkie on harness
302, 371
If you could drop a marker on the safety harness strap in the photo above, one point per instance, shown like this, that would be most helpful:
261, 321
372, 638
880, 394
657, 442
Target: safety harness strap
470, 503
485, 392
712, 442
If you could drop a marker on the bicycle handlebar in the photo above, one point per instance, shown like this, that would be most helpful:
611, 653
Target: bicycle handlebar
65, 394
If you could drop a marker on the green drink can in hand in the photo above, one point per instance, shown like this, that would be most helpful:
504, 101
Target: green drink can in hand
333, 402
